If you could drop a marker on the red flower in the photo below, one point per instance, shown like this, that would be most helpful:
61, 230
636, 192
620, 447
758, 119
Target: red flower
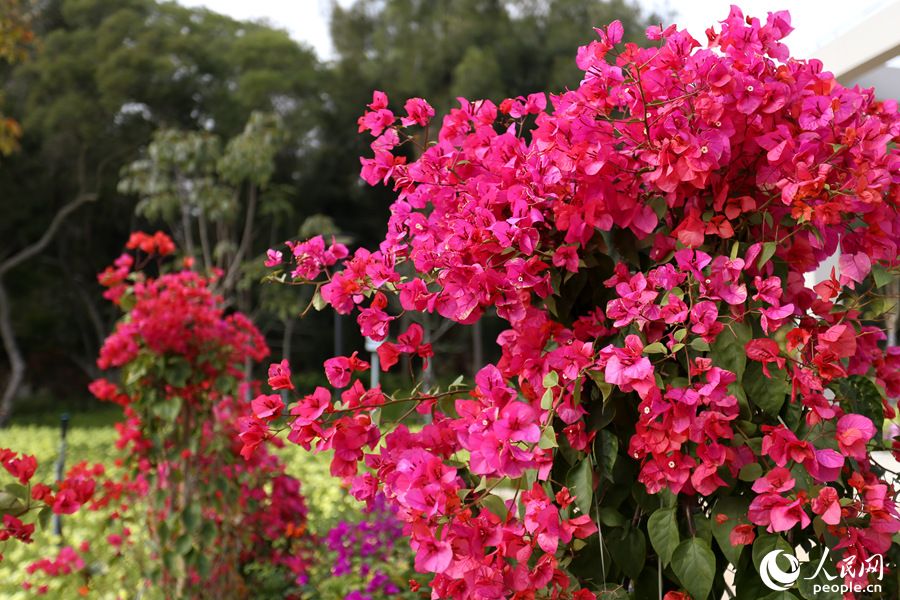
280, 376
267, 407
21, 468
765, 351
742, 535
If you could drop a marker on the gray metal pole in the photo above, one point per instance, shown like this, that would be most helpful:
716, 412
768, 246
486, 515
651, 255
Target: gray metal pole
61, 466
372, 349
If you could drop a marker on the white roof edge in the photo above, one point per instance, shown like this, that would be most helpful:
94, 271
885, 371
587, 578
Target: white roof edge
865, 46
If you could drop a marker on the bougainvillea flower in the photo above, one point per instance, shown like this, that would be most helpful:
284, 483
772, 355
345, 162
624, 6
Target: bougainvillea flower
765, 351
853, 433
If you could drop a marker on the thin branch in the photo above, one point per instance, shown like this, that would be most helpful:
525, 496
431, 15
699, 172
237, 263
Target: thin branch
38, 246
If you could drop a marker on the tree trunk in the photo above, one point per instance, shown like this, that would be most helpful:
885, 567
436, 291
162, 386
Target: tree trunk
204, 242
16, 363
10, 344
235, 267
187, 230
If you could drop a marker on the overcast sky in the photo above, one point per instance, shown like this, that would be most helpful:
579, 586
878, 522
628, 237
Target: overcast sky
815, 21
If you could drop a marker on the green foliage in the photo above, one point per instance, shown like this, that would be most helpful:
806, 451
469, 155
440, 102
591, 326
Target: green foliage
92, 438
695, 565
89, 439
663, 530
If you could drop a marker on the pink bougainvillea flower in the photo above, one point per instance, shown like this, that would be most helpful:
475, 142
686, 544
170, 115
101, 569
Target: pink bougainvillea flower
267, 407
854, 268
827, 506
339, 369
433, 556
853, 433
778, 480
280, 376
273, 258
418, 111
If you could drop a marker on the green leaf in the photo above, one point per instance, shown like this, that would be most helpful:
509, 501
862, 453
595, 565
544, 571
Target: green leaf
548, 438
495, 504
318, 301
629, 551
700, 344
44, 515
167, 409
695, 565
750, 472
881, 276
576, 391
768, 251
581, 482
609, 449
767, 543
208, 533
9, 504
611, 517
18, 490
880, 306
736, 511
768, 394
547, 399
655, 348
204, 566
191, 517
663, 529
184, 544
174, 563
551, 379
600, 382
134, 372
177, 372
727, 351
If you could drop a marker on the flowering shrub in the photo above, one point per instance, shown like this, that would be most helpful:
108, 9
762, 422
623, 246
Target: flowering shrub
218, 525
671, 397
365, 559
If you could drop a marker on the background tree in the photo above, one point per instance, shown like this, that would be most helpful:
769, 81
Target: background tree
110, 73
